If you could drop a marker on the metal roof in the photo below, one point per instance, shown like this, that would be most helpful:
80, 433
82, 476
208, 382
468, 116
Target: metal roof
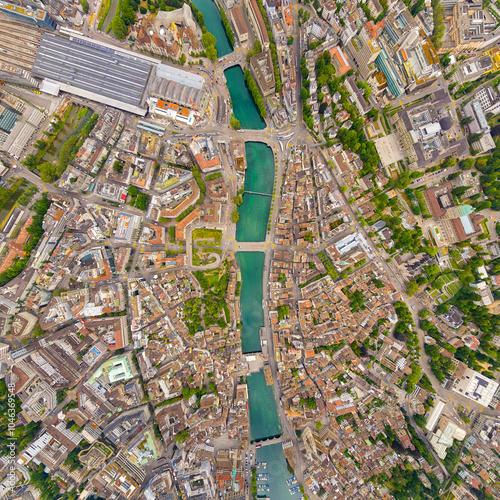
177, 85
467, 224
7, 120
93, 68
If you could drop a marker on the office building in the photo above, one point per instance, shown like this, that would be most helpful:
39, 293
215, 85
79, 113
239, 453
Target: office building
476, 387
470, 27
28, 15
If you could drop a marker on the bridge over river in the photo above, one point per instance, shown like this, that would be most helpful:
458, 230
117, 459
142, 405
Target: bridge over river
262, 194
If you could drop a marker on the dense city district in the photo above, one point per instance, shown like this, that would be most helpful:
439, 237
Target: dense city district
249, 249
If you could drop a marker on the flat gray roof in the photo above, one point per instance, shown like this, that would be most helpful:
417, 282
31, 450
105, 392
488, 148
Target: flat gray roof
93, 68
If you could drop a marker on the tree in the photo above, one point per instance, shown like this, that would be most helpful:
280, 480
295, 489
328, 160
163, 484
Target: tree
235, 123
414, 377
254, 90
208, 40
445, 60
127, 13
449, 162
142, 201
40, 144
311, 403
460, 190
182, 59
181, 436
437, 15
235, 216
442, 309
411, 288
119, 28
466, 121
475, 137
118, 167
481, 163
432, 270
467, 164
420, 421
48, 172
432, 251
30, 161
38, 331
85, 6
481, 205
211, 52
257, 49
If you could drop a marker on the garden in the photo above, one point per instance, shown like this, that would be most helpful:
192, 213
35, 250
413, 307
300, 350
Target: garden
206, 243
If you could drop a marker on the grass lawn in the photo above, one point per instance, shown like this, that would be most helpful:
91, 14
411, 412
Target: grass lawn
213, 234
486, 231
443, 280
453, 288
442, 298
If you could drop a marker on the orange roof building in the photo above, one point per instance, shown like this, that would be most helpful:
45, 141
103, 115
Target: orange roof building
205, 152
180, 230
339, 60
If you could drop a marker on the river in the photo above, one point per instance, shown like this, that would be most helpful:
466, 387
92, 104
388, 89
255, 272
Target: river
252, 316
277, 470
213, 23
259, 178
244, 107
254, 216
264, 419
252, 226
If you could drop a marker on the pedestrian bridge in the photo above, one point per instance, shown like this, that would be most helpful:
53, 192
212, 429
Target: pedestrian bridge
262, 194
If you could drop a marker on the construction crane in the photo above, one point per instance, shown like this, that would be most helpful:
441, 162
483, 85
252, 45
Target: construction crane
187, 97
80, 318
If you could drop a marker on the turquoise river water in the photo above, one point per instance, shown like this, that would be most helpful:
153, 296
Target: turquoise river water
259, 178
254, 215
252, 316
277, 470
213, 23
243, 105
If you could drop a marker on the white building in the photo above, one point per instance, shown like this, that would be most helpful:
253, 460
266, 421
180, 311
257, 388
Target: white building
171, 111
482, 289
477, 387
434, 415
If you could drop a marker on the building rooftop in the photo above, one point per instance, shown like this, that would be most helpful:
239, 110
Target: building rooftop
95, 71
182, 87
